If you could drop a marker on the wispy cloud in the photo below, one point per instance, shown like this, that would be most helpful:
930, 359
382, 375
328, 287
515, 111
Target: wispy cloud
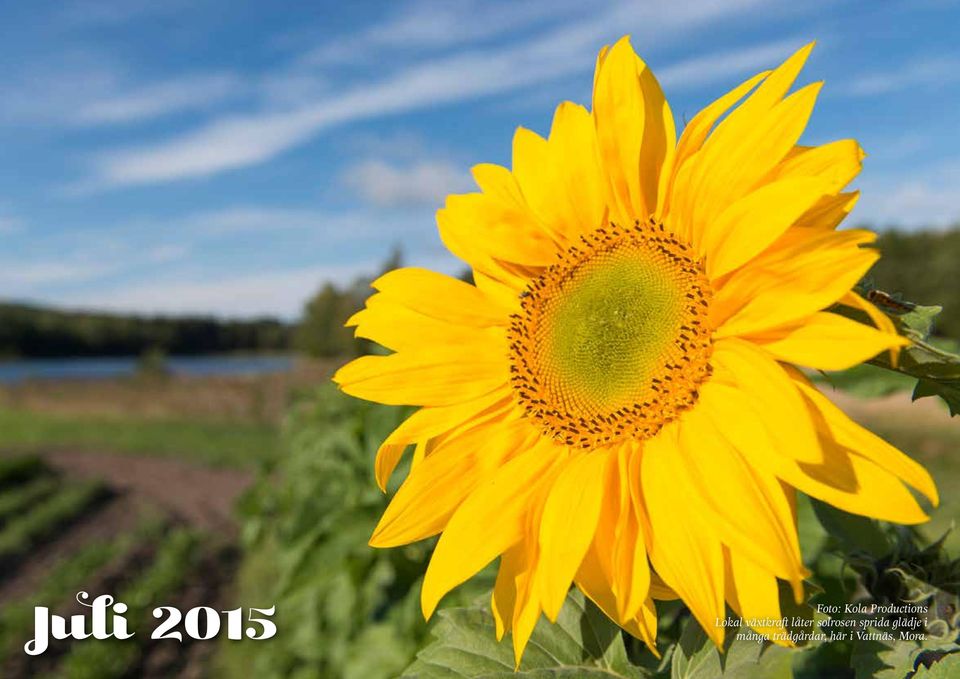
422, 183
94, 92
247, 219
269, 293
279, 293
929, 198
19, 277
433, 24
243, 140
189, 93
924, 72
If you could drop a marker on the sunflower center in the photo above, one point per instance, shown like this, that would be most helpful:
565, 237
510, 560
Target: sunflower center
612, 340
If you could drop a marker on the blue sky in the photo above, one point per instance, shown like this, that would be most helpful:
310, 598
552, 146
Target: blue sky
226, 157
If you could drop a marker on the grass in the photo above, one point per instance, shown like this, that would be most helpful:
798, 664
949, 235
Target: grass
214, 443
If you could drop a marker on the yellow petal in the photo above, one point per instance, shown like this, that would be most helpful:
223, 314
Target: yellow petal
827, 342
400, 328
866, 444
880, 319
837, 163
500, 291
568, 524
755, 221
743, 148
573, 140
746, 519
442, 297
808, 270
829, 211
630, 570
560, 177
753, 593
438, 377
635, 131
500, 184
504, 596
696, 132
593, 582
847, 481
484, 233
429, 422
515, 601
488, 522
772, 397
683, 550
438, 485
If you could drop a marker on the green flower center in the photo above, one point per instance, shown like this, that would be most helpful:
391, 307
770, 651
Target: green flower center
612, 340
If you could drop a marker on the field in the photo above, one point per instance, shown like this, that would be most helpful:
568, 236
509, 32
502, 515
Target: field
128, 487
237, 492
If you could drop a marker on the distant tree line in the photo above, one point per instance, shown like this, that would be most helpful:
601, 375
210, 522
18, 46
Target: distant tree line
922, 267
28, 331
917, 266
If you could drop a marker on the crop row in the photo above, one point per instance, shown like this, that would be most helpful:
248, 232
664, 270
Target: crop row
68, 577
174, 562
24, 532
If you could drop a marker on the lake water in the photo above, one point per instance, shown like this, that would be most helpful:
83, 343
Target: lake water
125, 366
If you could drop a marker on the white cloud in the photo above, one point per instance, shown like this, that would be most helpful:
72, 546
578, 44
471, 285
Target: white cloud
191, 92
330, 226
930, 198
433, 24
421, 183
280, 293
252, 219
19, 277
930, 71
271, 293
92, 92
244, 140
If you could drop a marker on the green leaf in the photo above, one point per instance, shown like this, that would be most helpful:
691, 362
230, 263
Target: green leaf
937, 371
582, 643
947, 389
947, 667
883, 659
696, 657
859, 532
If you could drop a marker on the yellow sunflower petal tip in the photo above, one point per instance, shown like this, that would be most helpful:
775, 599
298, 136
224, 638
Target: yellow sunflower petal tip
637, 298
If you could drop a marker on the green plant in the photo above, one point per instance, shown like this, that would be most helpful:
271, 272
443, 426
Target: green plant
23, 533
175, 558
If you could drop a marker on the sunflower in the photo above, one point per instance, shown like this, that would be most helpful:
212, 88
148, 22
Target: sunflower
615, 402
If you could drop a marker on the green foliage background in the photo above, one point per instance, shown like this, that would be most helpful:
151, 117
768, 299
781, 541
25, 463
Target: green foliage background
934, 281
347, 610
352, 611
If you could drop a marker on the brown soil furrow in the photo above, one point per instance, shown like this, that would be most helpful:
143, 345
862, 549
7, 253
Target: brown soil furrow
201, 496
